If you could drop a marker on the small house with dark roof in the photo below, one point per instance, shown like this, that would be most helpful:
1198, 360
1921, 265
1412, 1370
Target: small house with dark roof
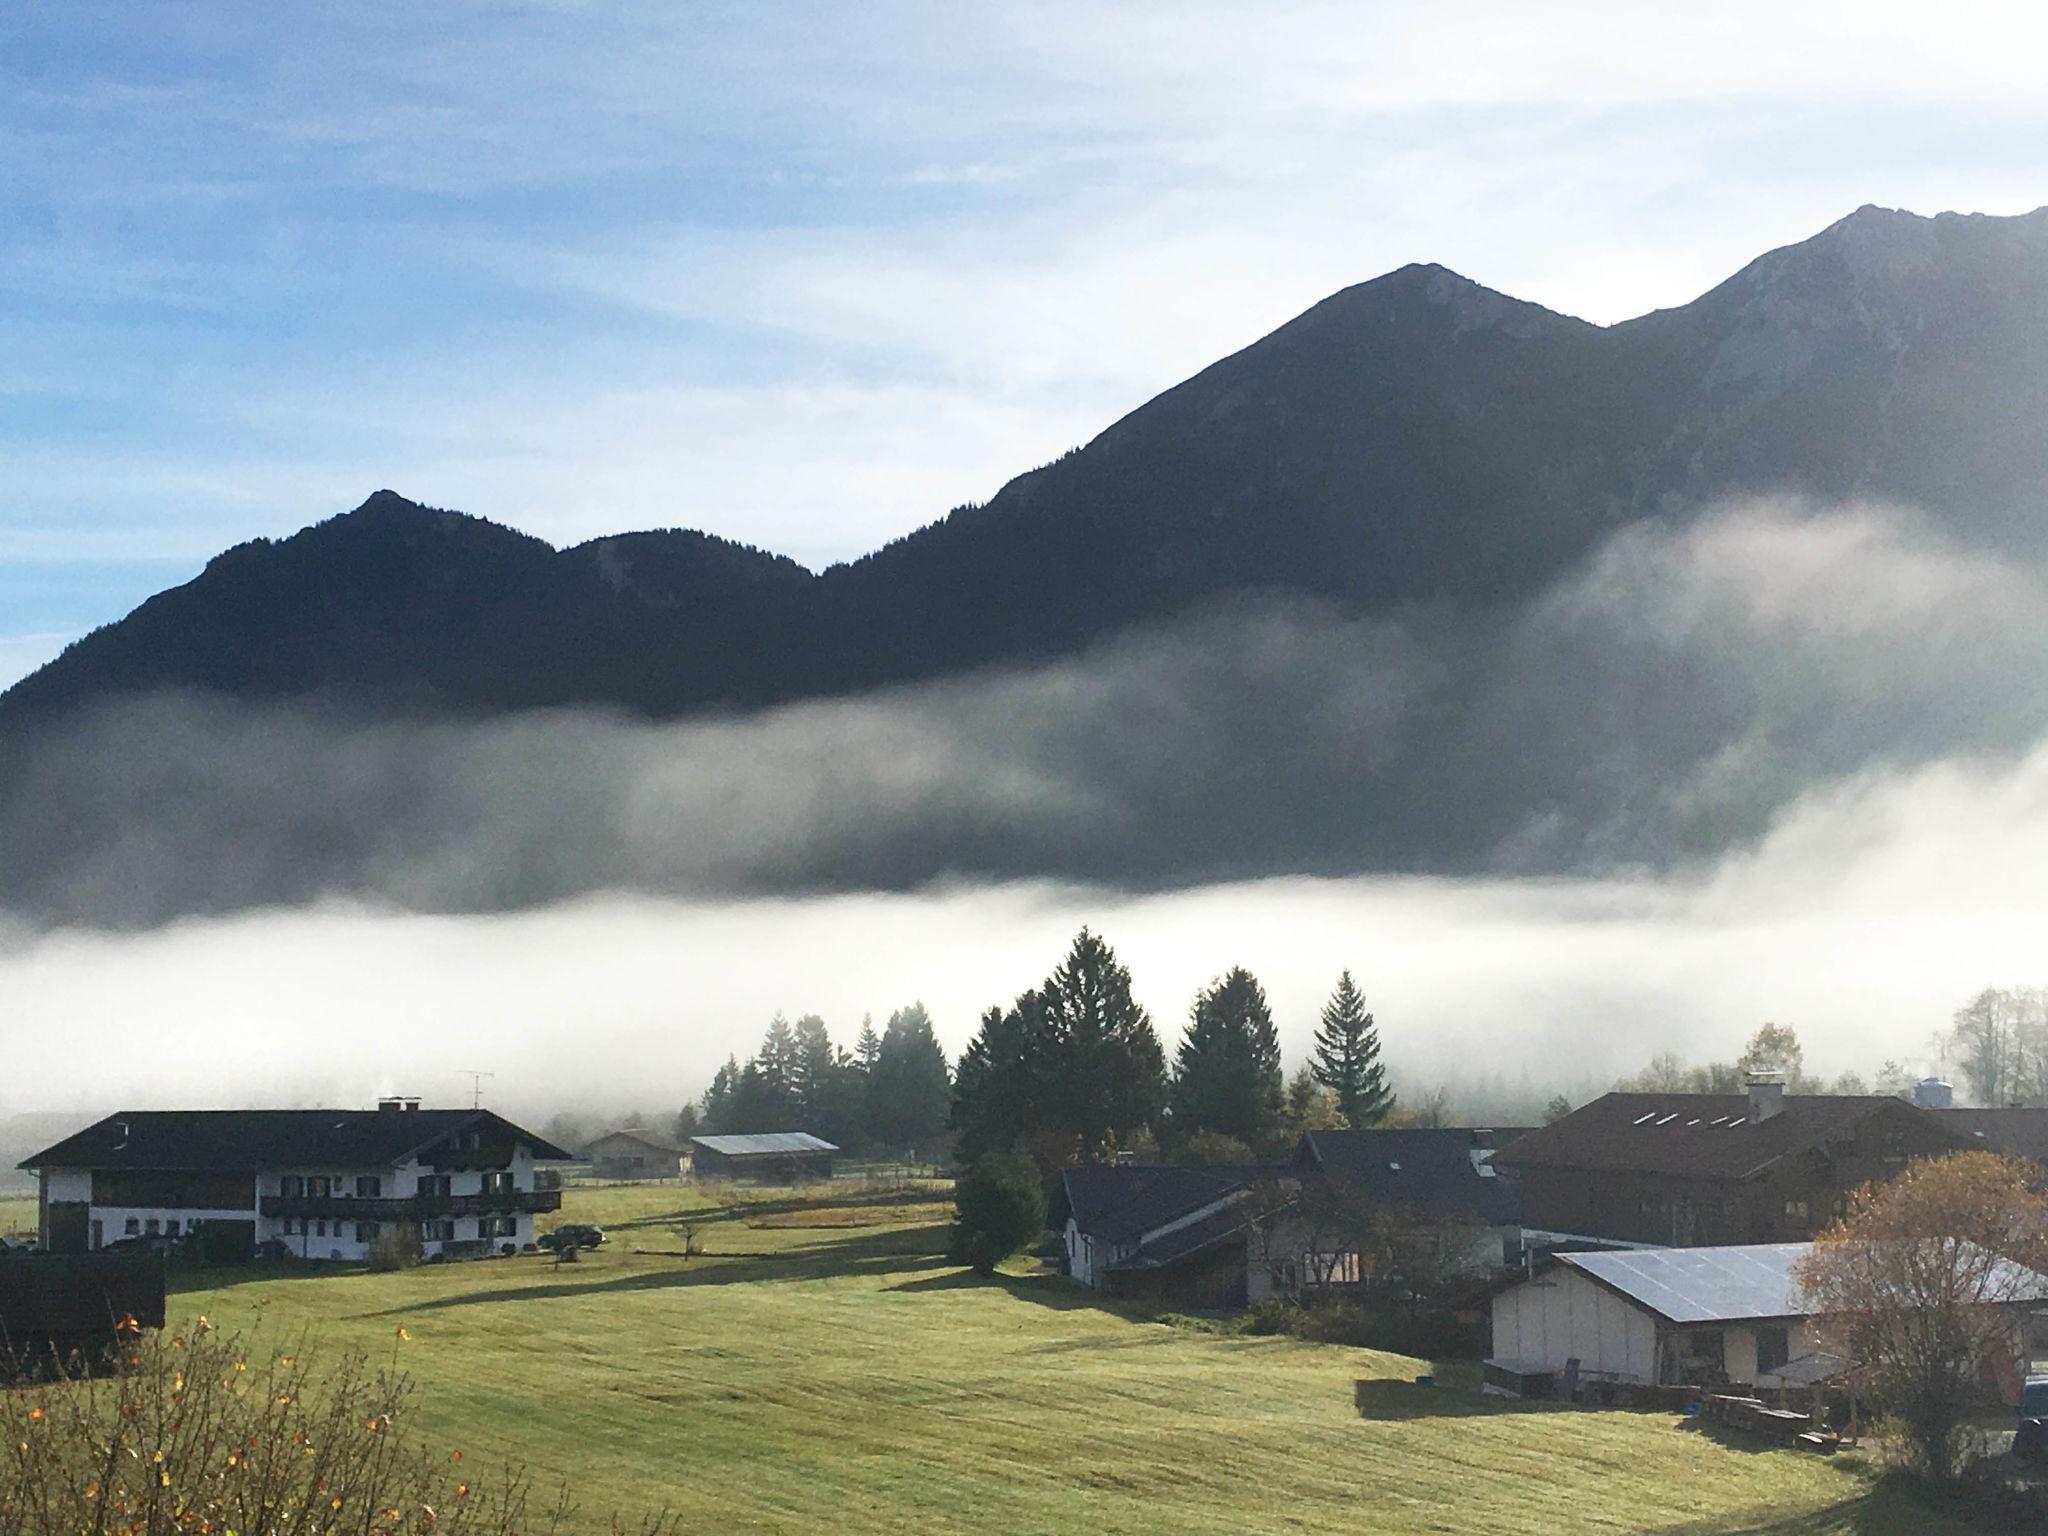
320, 1183
1684, 1169
1164, 1230
631, 1153
773, 1157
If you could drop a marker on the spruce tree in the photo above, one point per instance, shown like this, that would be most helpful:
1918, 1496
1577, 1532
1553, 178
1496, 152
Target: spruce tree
1227, 1072
1347, 1057
910, 1091
1105, 1070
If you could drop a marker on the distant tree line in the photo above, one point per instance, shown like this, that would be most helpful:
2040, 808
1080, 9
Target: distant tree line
1073, 1071
890, 1096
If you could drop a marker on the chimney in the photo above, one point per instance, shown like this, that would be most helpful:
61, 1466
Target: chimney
1766, 1096
1933, 1093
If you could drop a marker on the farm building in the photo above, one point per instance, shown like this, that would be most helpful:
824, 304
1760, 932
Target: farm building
1670, 1317
319, 1183
777, 1157
1680, 1169
632, 1153
1445, 1207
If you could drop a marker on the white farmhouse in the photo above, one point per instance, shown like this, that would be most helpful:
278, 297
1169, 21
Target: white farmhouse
323, 1183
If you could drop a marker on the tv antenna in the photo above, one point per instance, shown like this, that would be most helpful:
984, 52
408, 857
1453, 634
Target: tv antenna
476, 1085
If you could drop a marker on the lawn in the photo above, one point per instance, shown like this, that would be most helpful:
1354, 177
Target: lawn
822, 1366
17, 1212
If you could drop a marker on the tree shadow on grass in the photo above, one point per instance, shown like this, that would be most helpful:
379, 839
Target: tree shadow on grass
739, 1208
875, 1255
1061, 1295
1378, 1398
1875, 1512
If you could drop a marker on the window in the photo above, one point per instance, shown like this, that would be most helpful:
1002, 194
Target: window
1773, 1349
317, 1185
1335, 1268
320, 1227
442, 1231
150, 1226
434, 1185
291, 1184
369, 1186
170, 1226
133, 1226
497, 1183
497, 1226
1795, 1210
366, 1231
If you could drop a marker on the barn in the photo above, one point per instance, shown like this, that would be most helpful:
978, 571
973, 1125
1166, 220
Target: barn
774, 1157
632, 1153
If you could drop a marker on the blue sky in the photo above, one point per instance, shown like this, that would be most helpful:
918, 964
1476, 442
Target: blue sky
809, 275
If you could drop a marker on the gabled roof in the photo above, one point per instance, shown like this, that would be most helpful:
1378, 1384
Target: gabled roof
768, 1144
2022, 1132
1701, 1285
1700, 1135
635, 1134
1733, 1284
1218, 1226
245, 1140
1122, 1204
1444, 1173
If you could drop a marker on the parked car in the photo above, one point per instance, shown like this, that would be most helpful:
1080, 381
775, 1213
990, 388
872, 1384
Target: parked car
575, 1234
2031, 1443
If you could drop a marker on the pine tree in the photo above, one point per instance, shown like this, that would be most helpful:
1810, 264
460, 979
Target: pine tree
1347, 1057
1227, 1072
1105, 1070
910, 1091
995, 1101
868, 1047
721, 1098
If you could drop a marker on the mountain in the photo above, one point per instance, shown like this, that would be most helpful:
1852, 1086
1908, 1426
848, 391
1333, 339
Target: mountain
1414, 441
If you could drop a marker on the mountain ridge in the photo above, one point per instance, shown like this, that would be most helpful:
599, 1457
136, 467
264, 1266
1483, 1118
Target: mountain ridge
1414, 440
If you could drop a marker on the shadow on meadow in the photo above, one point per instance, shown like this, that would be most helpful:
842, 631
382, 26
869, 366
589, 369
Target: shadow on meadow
875, 1255
1378, 1398
1878, 1512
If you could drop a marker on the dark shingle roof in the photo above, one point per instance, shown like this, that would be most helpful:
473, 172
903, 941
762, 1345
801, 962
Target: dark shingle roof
1438, 1173
768, 1144
1119, 1204
239, 1140
2023, 1132
1703, 1135
1196, 1237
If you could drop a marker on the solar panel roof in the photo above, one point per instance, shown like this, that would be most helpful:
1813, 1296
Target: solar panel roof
1702, 1285
769, 1142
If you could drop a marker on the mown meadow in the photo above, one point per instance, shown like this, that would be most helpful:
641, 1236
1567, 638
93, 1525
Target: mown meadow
819, 1364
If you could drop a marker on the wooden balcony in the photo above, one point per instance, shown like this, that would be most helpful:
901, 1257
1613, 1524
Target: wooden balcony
505, 1202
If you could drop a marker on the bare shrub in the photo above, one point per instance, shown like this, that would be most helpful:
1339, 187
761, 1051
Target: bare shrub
193, 1432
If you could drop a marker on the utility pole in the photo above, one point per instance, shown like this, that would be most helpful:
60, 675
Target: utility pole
476, 1086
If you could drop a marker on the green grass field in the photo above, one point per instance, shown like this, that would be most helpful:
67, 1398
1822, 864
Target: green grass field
821, 1366
17, 1212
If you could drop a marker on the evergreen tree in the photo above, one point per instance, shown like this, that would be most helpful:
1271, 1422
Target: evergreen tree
868, 1048
1347, 1057
1227, 1072
721, 1098
910, 1091
995, 1099
1107, 1073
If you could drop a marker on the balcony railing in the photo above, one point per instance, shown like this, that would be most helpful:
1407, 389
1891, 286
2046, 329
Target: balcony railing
502, 1202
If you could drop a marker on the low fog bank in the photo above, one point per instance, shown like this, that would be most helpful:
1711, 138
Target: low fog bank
1663, 706
1864, 919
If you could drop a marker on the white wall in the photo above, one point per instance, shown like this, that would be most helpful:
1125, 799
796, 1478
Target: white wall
1562, 1315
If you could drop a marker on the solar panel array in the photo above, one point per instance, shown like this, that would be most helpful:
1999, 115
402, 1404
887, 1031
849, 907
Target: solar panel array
1702, 1285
